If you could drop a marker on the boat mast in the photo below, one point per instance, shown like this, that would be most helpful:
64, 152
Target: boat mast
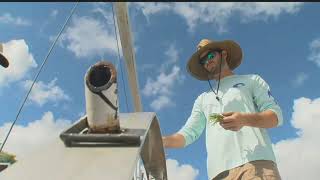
123, 21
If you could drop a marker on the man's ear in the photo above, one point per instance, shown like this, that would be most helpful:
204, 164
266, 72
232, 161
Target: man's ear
224, 54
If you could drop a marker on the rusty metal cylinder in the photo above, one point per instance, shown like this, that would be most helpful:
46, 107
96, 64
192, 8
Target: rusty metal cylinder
102, 98
3, 59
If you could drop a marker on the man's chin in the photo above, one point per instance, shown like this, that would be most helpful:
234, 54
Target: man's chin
215, 71
214, 75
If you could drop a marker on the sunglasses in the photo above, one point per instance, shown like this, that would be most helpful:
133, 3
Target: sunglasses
210, 55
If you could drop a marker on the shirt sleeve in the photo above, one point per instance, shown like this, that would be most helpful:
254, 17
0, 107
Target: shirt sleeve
195, 124
263, 98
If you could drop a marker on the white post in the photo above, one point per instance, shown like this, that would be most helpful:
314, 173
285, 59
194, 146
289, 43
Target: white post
123, 22
102, 98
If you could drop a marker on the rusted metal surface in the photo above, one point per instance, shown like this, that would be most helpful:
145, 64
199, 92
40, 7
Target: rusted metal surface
3, 60
78, 135
102, 98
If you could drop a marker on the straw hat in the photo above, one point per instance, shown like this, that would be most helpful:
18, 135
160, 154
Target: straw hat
3, 60
234, 56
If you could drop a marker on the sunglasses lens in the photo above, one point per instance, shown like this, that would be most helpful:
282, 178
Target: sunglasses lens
203, 61
210, 55
206, 58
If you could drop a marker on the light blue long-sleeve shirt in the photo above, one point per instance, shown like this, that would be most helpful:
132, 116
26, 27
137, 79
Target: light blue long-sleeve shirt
228, 149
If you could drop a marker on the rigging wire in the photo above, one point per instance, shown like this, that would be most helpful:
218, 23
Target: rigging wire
37, 75
115, 31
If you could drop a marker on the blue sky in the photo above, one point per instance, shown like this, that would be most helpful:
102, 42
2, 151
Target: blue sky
280, 41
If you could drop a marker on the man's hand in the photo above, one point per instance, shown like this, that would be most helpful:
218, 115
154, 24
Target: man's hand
202, 43
233, 121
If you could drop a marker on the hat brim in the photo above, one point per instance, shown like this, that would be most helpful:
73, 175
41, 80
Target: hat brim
4, 61
234, 58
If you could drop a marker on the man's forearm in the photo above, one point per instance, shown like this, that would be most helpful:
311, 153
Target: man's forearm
265, 119
173, 141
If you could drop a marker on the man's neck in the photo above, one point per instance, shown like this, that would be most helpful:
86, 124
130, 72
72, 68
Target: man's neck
223, 75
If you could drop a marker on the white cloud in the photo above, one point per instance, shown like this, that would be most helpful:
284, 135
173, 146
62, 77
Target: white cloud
151, 8
184, 171
299, 158
87, 37
20, 59
42, 93
163, 84
105, 10
54, 13
162, 87
315, 51
172, 58
9, 19
160, 102
219, 13
172, 53
24, 140
99, 8
300, 79
145, 67
264, 10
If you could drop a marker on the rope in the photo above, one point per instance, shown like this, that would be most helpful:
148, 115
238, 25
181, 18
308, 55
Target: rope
37, 75
115, 31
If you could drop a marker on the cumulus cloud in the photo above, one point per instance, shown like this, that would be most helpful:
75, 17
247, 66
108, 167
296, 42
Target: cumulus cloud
300, 79
173, 57
151, 8
163, 84
315, 51
24, 140
219, 13
42, 93
162, 87
183, 171
172, 53
104, 9
160, 102
7, 18
298, 158
20, 59
87, 37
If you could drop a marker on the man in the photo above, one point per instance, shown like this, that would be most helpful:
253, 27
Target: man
238, 147
3, 60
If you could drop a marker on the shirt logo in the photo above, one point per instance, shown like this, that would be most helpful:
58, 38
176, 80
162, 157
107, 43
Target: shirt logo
238, 85
269, 93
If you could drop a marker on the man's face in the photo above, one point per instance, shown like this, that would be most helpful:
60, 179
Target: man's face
211, 61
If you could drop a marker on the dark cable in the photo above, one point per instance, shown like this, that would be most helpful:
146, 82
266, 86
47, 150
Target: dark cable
124, 86
217, 97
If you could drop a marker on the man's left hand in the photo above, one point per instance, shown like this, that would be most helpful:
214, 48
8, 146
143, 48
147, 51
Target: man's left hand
233, 121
